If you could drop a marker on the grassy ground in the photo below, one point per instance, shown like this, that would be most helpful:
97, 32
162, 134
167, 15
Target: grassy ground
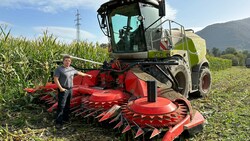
226, 111
227, 108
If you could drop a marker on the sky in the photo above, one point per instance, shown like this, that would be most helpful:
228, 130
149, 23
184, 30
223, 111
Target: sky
30, 18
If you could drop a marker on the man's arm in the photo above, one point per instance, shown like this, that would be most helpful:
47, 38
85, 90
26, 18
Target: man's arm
58, 84
84, 74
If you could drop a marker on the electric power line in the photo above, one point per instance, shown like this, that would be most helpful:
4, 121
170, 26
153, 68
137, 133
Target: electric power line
78, 26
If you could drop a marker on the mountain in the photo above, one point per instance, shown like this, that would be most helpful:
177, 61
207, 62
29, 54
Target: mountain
234, 34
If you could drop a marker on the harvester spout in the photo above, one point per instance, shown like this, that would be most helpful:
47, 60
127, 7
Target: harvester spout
86, 60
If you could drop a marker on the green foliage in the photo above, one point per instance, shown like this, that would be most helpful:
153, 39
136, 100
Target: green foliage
230, 50
238, 57
216, 52
242, 57
235, 60
218, 63
25, 63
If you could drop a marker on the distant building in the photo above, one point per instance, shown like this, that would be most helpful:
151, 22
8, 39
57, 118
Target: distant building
248, 62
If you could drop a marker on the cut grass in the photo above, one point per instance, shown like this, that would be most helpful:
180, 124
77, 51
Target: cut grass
227, 107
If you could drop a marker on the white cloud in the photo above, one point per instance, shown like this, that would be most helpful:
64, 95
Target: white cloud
65, 34
170, 12
48, 9
196, 29
103, 39
52, 6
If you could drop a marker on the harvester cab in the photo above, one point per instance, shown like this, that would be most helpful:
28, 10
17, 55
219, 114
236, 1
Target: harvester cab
134, 28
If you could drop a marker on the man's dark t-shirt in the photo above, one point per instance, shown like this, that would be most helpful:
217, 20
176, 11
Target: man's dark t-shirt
65, 76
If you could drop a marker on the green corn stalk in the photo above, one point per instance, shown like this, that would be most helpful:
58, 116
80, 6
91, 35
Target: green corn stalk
27, 63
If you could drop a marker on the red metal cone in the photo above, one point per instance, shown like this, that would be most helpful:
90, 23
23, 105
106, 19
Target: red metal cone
107, 116
110, 113
49, 100
151, 117
52, 102
52, 107
115, 119
45, 97
155, 133
139, 132
160, 116
134, 115
127, 128
102, 114
118, 125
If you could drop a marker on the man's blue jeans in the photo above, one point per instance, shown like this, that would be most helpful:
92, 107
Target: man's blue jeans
63, 108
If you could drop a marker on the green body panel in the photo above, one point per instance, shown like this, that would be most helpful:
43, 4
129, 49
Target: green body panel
158, 54
195, 47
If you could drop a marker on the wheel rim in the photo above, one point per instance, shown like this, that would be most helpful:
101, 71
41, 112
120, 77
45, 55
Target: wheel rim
205, 83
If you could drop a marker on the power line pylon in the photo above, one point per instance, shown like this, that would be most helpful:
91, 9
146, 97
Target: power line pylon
78, 26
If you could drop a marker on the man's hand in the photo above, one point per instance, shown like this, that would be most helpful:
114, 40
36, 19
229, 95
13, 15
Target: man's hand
84, 74
90, 76
62, 90
58, 84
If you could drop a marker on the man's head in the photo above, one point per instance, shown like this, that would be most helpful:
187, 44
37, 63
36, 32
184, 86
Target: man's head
66, 61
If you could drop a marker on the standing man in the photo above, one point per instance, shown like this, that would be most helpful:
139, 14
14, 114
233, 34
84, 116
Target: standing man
63, 77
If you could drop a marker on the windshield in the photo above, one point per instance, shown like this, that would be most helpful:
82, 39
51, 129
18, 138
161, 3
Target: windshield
153, 32
126, 30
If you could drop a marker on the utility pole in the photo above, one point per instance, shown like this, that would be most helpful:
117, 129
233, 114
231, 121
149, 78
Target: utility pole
78, 26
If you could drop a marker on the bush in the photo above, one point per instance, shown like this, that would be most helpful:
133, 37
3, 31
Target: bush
235, 59
219, 63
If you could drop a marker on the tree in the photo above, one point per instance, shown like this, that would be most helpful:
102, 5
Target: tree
242, 57
208, 52
245, 52
230, 50
216, 52
235, 59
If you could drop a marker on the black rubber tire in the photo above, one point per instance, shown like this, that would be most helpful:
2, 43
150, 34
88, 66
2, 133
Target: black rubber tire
205, 80
181, 74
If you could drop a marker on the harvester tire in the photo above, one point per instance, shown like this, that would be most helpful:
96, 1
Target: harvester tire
181, 75
204, 81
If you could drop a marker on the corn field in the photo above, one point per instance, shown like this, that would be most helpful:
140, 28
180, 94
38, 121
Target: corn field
28, 63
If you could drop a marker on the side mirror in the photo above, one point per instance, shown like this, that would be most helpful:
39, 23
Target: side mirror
162, 11
103, 23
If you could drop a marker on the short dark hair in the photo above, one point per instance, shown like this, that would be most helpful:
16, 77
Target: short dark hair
66, 57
